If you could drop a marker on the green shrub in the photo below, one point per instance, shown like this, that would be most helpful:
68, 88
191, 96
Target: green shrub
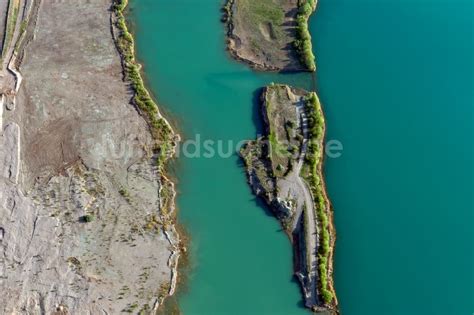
303, 38
88, 218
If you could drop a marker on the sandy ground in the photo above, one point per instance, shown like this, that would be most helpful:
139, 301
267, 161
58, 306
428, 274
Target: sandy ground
73, 147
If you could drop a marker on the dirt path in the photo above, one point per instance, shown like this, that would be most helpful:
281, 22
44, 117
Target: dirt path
311, 227
295, 184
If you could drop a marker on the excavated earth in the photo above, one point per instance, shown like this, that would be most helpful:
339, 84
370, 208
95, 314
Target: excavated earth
86, 223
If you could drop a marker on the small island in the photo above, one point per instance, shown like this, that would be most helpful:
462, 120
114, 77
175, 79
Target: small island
284, 167
270, 35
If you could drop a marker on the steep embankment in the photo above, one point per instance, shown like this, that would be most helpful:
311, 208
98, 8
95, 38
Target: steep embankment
270, 35
86, 212
285, 168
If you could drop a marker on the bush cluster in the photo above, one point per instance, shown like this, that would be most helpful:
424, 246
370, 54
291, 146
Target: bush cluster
88, 218
303, 38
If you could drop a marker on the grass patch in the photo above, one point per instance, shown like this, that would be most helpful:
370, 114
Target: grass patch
160, 129
303, 42
261, 13
313, 160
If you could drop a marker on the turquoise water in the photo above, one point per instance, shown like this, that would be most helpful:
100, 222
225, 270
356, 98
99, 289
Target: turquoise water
396, 81
241, 262
400, 102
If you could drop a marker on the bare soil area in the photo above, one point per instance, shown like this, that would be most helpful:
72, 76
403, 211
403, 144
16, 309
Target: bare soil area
86, 217
261, 33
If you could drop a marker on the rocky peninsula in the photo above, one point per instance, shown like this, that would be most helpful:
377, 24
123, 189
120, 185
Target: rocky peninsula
284, 167
86, 211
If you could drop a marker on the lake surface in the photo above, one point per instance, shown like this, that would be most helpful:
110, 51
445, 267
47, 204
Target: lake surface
395, 79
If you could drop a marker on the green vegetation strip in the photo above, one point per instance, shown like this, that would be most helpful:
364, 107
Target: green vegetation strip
314, 160
161, 130
13, 9
23, 26
303, 42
